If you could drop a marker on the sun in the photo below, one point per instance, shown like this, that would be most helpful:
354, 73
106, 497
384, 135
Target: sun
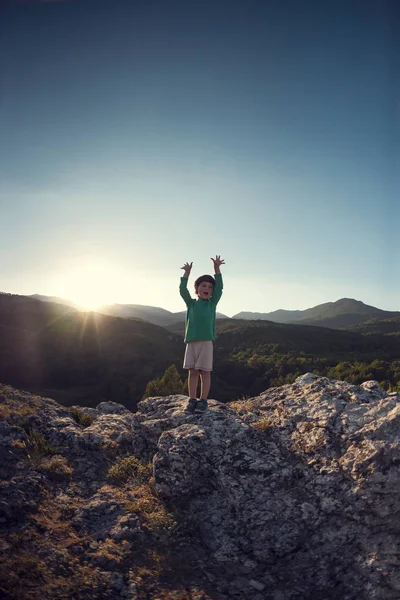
88, 303
90, 285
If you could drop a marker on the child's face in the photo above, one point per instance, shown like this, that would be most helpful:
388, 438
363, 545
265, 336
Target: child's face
205, 290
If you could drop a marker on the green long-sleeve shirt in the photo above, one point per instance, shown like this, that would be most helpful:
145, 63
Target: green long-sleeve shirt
200, 316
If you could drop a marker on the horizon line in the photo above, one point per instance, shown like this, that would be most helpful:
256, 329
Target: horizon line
81, 308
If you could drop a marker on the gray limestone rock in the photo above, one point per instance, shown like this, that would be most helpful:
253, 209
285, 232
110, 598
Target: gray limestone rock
301, 480
293, 494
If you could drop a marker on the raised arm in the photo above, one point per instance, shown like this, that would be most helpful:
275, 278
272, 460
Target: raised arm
217, 263
217, 293
187, 267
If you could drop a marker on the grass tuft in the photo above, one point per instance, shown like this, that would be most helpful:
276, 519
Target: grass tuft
38, 445
56, 467
81, 418
263, 424
129, 467
153, 513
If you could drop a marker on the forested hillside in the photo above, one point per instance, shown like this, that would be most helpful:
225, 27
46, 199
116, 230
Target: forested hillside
86, 357
77, 356
256, 355
389, 326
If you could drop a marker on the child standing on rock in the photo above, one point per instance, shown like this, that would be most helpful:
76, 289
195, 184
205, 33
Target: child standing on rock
200, 331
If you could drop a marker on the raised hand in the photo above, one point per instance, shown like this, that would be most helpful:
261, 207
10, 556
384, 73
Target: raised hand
217, 263
187, 267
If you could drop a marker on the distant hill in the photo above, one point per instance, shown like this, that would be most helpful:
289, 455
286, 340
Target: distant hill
151, 314
56, 350
341, 314
277, 316
345, 313
54, 299
255, 355
76, 357
389, 326
241, 335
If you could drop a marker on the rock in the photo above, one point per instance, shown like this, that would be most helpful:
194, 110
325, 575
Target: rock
306, 379
292, 494
256, 585
112, 408
19, 496
297, 488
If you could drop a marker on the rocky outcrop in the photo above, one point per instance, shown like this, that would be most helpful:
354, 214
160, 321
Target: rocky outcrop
293, 494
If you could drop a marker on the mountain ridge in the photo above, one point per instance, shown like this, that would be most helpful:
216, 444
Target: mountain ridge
339, 314
152, 314
342, 313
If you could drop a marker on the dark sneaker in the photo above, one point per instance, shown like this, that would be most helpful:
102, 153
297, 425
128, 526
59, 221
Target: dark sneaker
191, 405
201, 406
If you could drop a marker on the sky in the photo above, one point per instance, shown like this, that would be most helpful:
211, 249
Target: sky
138, 135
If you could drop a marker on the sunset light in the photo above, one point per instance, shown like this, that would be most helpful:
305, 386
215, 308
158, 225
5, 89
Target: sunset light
91, 285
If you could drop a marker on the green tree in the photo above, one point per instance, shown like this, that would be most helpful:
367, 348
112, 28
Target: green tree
169, 383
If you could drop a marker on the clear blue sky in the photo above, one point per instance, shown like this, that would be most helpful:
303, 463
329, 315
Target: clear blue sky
138, 135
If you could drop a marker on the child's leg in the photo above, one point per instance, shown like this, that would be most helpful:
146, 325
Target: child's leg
193, 380
205, 384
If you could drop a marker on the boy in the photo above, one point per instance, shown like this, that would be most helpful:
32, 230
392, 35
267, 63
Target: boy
200, 331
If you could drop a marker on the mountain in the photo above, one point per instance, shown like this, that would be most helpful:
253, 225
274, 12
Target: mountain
76, 357
389, 326
266, 338
179, 319
345, 312
257, 355
49, 346
55, 299
278, 316
151, 314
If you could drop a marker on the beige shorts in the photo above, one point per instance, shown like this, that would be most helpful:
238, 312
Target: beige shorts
199, 355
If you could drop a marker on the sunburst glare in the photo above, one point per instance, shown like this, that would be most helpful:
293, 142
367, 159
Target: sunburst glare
91, 285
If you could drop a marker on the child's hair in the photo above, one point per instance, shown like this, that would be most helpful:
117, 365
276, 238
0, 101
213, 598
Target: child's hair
200, 280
